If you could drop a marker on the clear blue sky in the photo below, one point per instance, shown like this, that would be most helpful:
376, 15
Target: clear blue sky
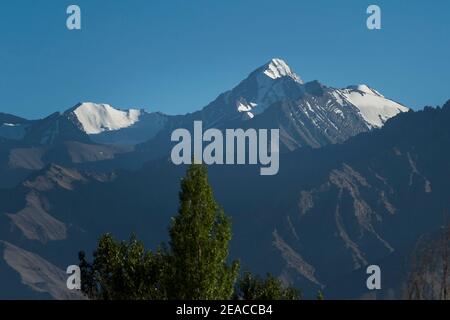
176, 56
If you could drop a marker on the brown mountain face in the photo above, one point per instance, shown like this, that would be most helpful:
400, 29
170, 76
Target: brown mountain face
370, 201
39, 279
29, 231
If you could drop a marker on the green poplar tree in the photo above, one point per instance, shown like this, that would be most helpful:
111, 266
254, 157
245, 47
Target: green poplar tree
199, 239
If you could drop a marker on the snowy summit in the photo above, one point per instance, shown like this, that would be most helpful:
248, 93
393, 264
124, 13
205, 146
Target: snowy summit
277, 68
97, 118
372, 105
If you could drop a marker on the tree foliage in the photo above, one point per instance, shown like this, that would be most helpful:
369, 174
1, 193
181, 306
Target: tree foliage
252, 287
123, 271
200, 235
194, 265
320, 295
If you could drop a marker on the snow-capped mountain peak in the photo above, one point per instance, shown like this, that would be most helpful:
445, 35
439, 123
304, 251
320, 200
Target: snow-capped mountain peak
108, 125
97, 118
278, 68
272, 82
373, 107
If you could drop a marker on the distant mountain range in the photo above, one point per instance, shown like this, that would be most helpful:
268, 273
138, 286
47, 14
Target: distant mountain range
318, 113
361, 179
273, 96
